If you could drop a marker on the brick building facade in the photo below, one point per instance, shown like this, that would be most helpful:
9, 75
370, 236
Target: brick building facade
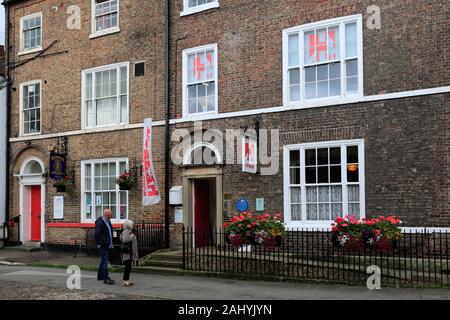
361, 106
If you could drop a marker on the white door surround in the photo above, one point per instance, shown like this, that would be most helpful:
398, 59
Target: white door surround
30, 175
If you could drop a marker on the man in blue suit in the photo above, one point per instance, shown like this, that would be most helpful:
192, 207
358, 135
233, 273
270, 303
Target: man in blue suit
104, 240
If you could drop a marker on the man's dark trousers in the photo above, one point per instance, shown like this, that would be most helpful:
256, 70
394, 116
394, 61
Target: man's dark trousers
103, 267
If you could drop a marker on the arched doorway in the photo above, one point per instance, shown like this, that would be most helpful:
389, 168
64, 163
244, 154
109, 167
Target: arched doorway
202, 195
32, 200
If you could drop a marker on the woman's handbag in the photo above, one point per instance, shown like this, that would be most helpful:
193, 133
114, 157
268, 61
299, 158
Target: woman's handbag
125, 247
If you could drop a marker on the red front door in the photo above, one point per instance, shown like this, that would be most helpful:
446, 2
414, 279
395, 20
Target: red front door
202, 222
36, 213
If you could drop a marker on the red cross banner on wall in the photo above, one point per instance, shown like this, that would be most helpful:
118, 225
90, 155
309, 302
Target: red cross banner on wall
150, 190
249, 155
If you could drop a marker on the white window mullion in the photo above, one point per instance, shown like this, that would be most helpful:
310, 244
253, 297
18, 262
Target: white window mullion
118, 95
301, 51
287, 185
93, 216
342, 59
94, 98
362, 200
302, 184
344, 180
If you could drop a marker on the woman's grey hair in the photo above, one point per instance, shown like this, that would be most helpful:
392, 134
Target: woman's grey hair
128, 224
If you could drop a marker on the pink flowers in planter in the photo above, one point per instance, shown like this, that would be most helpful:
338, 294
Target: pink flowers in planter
353, 234
247, 228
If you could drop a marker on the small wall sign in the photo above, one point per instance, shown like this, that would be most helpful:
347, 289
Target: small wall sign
179, 215
58, 207
57, 166
259, 204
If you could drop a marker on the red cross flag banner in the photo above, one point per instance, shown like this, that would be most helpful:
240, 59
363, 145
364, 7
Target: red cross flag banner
150, 190
249, 155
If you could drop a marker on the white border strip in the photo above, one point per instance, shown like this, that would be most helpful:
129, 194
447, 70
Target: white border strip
404, 229
332, 102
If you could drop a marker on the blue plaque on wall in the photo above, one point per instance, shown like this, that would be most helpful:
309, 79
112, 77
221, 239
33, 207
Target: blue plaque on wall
242, 205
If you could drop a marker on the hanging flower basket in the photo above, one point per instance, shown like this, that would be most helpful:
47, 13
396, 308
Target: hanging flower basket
124, 186
60, 186
128, 180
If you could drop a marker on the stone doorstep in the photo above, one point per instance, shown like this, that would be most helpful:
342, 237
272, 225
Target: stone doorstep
26, 247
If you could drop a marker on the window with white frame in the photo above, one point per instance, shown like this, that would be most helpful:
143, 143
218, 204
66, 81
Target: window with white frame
31, 33
193, 6
323, 181
323, 60
105, 16
105, 95
100, 191
31, 93
200, 80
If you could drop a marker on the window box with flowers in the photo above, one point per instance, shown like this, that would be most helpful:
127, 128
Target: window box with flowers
247, 229
380, 233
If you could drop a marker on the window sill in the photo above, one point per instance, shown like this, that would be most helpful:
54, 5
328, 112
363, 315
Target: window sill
24, 52
200, 116
198, 9
107, 127
104, 32
323, 102
312, 226
30, 134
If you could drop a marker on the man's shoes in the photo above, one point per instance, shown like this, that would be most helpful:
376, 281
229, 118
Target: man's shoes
109, 281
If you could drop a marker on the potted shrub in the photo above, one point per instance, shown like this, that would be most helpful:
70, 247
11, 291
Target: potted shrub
128, 180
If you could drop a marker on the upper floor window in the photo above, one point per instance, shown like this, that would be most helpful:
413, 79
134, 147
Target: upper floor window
105, 17
323, 60
31, 33
200, 80
30, 105
105, 95
322, 181
193, 6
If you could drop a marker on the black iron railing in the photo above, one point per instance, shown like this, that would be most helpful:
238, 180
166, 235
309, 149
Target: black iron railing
417, 259
150, 237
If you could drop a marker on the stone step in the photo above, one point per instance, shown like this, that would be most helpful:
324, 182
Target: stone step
166, 258
164, 263
24, 248
159, 270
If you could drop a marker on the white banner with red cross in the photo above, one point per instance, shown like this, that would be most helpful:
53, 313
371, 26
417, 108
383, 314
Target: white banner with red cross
249, 154
150, 190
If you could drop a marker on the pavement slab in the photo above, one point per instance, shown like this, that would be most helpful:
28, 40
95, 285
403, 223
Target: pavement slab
154, 286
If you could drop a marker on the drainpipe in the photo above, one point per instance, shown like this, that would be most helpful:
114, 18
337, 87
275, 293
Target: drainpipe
8, 115
167, 128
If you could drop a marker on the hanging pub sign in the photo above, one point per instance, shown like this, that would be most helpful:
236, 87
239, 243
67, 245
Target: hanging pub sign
57, 165
150, 190
249, 154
